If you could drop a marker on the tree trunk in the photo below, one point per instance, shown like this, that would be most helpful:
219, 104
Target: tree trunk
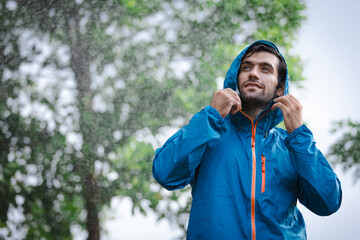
92, 220
80, 66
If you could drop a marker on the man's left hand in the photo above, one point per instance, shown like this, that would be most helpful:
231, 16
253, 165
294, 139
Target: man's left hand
292, 111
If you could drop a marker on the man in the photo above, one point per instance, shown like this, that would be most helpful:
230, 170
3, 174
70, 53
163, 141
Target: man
247, 175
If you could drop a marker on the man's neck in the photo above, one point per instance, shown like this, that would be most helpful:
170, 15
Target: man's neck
252, 111
252, 114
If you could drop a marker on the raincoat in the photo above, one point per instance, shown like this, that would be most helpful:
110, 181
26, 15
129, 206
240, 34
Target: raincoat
246, 176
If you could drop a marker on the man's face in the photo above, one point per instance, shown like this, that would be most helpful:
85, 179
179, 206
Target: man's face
258, 79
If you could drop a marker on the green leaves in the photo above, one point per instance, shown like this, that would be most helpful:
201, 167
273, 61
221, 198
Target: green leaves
345, 152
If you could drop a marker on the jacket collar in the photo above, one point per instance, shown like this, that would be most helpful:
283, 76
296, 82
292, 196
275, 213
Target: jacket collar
265, 121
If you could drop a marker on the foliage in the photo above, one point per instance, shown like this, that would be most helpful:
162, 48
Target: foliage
345, 152
86, 85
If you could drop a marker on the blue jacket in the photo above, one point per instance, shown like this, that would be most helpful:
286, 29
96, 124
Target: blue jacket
246, 176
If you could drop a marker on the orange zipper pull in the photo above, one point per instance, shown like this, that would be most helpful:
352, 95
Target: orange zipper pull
262, 173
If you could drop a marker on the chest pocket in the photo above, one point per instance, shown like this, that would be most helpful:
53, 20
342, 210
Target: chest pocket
278, 177
278, 192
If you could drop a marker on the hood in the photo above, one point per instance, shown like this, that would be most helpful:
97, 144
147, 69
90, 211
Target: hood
231, 82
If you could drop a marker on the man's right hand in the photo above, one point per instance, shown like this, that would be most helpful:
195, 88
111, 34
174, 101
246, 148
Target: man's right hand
226, 101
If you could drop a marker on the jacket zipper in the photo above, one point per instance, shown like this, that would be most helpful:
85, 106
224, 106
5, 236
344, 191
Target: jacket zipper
262, 173
253, 178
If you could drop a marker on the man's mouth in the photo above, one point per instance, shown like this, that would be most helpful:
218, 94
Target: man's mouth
253, 84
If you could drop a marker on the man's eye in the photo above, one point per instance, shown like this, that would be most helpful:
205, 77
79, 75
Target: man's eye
245, 67
266, 69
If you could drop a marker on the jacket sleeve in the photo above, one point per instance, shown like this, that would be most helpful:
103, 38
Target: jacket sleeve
319, 188
175, 162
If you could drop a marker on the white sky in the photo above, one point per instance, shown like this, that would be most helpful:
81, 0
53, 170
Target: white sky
329, 43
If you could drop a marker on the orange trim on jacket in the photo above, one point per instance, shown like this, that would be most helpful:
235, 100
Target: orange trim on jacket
262, 173
253, 175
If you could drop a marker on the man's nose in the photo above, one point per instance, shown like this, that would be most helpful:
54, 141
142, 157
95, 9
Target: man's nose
254, 73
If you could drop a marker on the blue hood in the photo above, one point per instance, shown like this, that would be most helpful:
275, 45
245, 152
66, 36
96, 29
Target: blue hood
231, 82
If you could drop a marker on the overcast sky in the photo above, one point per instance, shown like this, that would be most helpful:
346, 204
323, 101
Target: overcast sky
329, 44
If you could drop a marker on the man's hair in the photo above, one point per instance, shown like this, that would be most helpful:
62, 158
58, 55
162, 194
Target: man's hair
261, 47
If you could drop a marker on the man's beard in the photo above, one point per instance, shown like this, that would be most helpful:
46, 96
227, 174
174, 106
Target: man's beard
257, 101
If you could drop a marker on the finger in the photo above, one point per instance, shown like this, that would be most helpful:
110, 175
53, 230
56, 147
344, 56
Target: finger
237, 101
295, 101
289, 97
234, 94
292, 96
291, 102
238, 105
281, 99
233, 100
229, 90
280, 105
286, 100
234, 110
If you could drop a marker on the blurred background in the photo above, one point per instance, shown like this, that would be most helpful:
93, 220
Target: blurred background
89, 90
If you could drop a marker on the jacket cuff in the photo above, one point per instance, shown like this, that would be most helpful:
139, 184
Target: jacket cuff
294, 134
215, 115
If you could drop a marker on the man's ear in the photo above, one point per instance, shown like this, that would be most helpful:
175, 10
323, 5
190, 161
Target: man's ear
280, 91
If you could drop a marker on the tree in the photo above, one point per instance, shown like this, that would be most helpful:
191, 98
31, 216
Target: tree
100, 78
345, 152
